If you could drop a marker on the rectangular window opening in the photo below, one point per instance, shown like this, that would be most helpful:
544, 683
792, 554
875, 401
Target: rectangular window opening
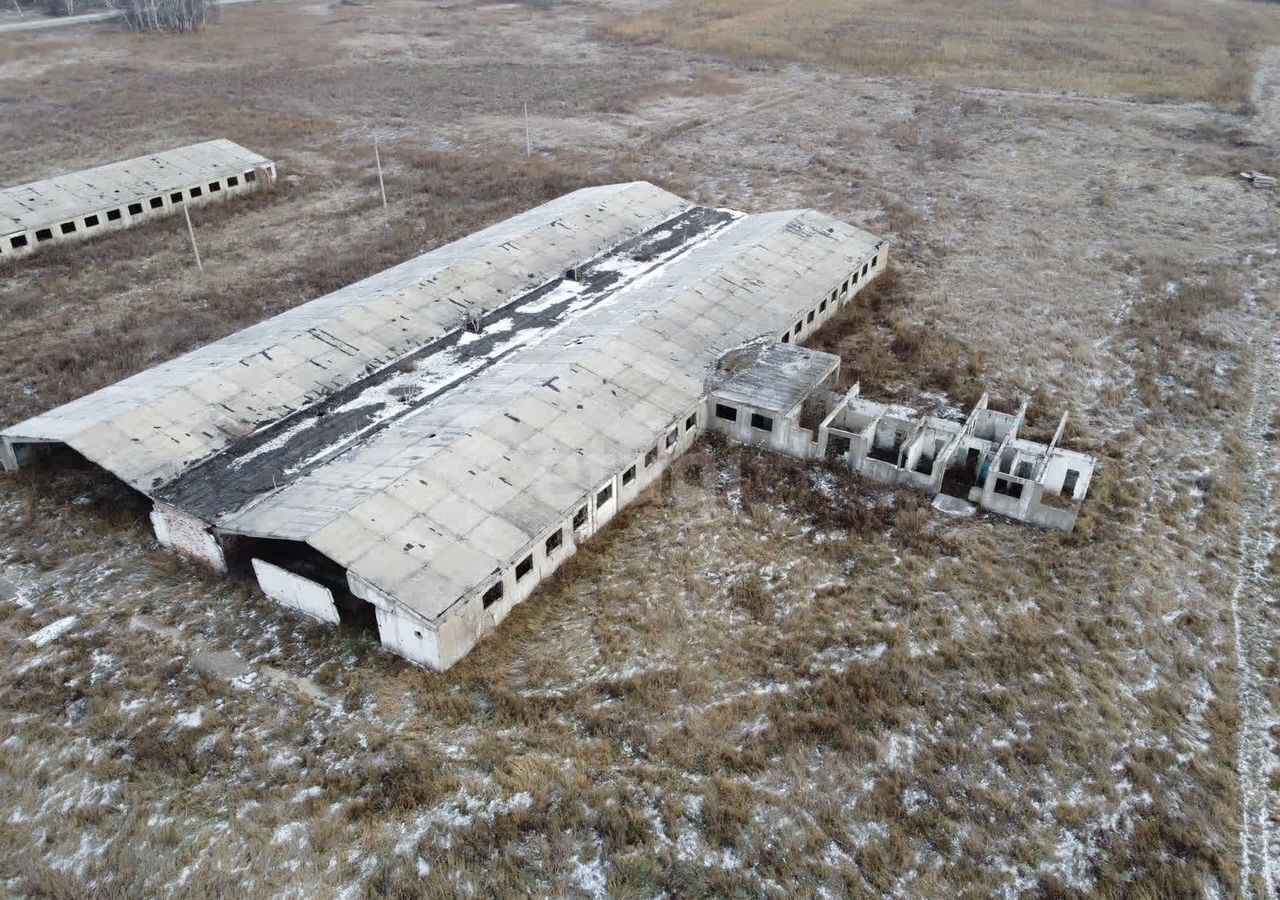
18, 240
157, 202
524, 567
232, 181
580, 518
196, 192
68, 227
175, 197
135, 209
90, 221
651, 457
810, 316
554, 542
215, 186
672, 437
864, 269
764, 423
786, 338
605, 495
799, 325
629, 475
691, 422
113, 215
250, 176
822, 307
728, 413
874, 260
493, 595
1069, 483
44, 234
844, 288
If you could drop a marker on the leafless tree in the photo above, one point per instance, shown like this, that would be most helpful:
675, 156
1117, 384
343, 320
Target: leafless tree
169, 15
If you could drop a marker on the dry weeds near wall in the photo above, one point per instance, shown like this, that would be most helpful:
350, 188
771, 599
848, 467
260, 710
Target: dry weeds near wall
767, 679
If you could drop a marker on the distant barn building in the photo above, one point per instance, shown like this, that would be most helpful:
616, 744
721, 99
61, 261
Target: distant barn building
95, 201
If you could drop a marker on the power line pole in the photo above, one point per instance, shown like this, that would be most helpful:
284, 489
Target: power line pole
191, 233
377, 157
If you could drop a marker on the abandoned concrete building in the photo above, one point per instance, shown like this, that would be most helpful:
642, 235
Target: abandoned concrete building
421, 448
780, 397
107, 198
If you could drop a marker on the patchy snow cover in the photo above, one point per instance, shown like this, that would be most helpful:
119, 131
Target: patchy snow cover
51, 632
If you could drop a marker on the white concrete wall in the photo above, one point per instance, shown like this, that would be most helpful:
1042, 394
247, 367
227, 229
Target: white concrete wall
188, 536
296, 592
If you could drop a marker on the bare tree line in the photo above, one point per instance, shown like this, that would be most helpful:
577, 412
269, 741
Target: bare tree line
139, 15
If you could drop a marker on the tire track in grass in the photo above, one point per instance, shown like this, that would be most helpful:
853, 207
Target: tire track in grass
1254, 637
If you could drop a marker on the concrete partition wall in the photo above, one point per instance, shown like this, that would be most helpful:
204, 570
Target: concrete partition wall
188, 536
289, 589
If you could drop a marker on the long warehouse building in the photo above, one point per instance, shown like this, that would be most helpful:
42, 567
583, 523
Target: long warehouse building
107, 198
424, 446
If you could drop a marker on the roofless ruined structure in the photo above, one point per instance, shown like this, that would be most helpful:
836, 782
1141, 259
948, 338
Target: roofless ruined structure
431, 442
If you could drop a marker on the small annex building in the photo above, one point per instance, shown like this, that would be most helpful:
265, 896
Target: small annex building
107, 198
424, 446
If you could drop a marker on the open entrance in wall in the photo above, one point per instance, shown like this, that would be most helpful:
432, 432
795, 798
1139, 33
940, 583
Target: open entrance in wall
311, 567
962, 474
69, 477
837, 446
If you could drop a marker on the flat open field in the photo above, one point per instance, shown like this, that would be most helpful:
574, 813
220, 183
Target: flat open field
767, 679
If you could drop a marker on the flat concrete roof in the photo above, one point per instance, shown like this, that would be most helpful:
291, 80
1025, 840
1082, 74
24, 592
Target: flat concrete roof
774, 376
51, 201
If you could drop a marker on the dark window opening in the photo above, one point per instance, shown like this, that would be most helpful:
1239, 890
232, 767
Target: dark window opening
672, 436
864, 268
837, 446
157, 202
250, 176
135, 209
811, 315
764, 423
554, 542
822, 307
18, 240
690, 422
232, 181
605, 495
728, 413
215, 186
855, 277
68, 227
113, 215
786, 338
524, 567
44, 234
629, 475
874, 260
195, 192
175, 197
493, 595
799, 325
1069, 483
90, 221
580, 518
844, 288
651, 457
302, 560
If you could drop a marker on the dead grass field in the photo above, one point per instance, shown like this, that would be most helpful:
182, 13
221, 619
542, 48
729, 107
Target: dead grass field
765, 680
1163, 50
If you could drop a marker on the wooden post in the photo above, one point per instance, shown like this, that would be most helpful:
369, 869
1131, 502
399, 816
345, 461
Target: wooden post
528, 142
377, 157
191, 233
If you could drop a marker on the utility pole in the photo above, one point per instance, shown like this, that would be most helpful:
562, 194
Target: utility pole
191, 233
528, 142
377, 157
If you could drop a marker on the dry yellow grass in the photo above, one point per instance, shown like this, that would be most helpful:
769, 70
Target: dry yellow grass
1159, 50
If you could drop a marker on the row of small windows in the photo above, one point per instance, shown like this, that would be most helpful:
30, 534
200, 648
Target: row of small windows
603, 496
730, 414
18, 241
836, 293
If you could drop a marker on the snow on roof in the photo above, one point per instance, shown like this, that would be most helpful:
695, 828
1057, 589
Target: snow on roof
775, 376
52, 201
